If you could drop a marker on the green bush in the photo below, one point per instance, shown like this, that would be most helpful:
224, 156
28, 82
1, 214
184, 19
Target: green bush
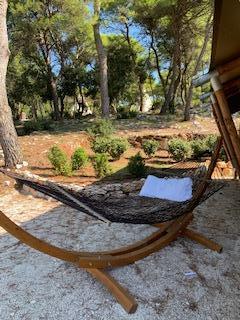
211, 141
126, 113
79, 159
204, 146
117, 147
223, 156
47, 125
102, 127
136, 166
150, 147
59, 161
101, 165
41, 125
180, 149
199, 148
31, 126
101, 144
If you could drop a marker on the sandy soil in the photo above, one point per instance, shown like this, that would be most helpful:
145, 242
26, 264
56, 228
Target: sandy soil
34, 286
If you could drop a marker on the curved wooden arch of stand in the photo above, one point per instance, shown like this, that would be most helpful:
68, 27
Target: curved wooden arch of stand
94, 262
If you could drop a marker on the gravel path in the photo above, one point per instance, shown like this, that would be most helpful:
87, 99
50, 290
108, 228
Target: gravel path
34, 286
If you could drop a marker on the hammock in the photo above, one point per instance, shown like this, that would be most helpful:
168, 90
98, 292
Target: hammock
133, 209
170, 217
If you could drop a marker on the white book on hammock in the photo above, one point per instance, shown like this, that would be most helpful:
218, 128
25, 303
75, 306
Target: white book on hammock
174, 189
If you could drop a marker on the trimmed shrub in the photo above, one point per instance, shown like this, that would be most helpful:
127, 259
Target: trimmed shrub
79, 159
46, 125
101, 165
204, 146
31, 126
136, 166
41, 125
180, 149
199, 148
223, 156
101, 144
211, 141
102, 127
117, 147
150, 147
126, 113
59, 161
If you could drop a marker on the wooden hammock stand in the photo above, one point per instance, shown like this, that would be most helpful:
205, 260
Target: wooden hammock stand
225, 81
96, 263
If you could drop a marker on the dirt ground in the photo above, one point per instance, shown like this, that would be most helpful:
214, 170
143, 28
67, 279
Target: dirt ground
69, 136
182, 281
36, 287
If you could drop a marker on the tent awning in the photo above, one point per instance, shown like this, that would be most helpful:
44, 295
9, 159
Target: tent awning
226, 32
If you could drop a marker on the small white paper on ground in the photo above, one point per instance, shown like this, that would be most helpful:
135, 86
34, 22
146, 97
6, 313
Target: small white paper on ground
174, 189
190, 274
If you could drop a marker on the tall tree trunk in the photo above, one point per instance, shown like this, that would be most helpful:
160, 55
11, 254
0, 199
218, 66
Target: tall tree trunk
133, 57
174, 81
34, 112
8, 135
62, 105
54, 93
158, 64
46, 53
141, 95
79, 102
102, 60
196, 68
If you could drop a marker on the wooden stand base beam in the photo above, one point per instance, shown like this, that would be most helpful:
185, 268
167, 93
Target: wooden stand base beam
122, 295
195, 236
93, 262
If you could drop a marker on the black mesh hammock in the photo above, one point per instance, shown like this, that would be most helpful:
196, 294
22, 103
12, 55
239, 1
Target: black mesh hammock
132, 209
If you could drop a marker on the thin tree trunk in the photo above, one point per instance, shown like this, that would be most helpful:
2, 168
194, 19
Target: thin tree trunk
84, 103
53, 86
8, 135
141, 95
196, 68
79, 102
62, 106
41, 110
46, 53
174, 81
157, 64
133, 57
34, 113
102, 60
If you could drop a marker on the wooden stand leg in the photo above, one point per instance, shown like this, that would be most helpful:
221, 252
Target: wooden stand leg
202, 240
121, 294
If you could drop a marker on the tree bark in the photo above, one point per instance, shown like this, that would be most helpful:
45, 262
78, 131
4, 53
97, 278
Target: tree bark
102, 60
196, 68
139, 80
62, 106
46, 53
157, 63
8, 135
174, 80
34, 111
54, 93
141, 95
